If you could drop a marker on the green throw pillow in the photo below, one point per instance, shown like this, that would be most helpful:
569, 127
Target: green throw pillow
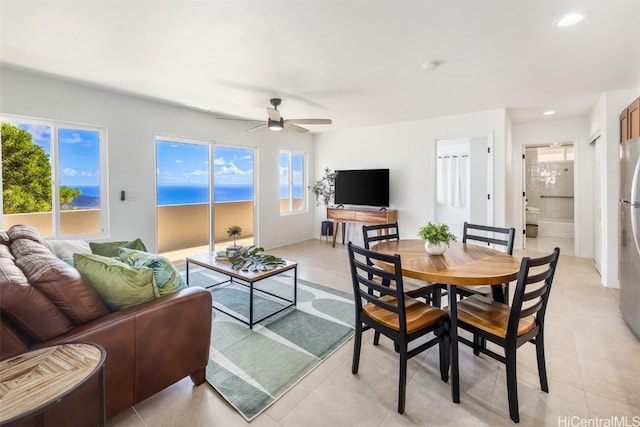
110, 249
119, 285
168, 279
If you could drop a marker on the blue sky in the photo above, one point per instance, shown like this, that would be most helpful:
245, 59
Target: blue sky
298, 174
79, 153
188, 164
178, 164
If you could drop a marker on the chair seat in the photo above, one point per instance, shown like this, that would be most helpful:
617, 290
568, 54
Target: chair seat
419, 314
490, 316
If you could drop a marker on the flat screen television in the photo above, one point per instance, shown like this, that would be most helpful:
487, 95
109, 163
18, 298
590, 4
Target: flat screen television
365, 187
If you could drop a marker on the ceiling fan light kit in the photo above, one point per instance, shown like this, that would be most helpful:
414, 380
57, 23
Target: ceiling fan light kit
275, 125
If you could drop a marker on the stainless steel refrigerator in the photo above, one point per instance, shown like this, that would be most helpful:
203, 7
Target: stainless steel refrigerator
629, 241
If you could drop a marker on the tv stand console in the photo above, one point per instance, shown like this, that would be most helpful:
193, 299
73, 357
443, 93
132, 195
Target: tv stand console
361, 215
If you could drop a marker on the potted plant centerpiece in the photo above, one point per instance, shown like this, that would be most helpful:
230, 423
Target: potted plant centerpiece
436, 237
234, 232
323, 190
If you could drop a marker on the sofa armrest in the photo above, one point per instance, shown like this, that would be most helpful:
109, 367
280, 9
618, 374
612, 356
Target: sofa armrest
141, 345
172, 340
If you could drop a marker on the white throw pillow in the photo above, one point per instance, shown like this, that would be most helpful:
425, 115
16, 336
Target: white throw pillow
64, 249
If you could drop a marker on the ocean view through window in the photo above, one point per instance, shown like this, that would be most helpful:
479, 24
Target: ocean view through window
204, 187
169, 194
51, 177
292, 179
183, 174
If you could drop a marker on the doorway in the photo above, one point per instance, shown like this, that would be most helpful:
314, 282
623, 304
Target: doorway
464, 183
548, 201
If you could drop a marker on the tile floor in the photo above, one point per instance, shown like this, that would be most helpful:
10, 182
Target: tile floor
593, 363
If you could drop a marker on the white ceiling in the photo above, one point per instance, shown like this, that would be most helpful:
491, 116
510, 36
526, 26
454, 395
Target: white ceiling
356, 62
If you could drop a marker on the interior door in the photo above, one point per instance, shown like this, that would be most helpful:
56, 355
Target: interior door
463, 184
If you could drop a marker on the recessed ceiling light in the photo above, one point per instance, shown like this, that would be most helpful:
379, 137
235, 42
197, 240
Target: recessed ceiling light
549, 113
570, 19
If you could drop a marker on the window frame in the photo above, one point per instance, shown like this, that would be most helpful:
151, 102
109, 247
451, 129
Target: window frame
305, 180
55, 126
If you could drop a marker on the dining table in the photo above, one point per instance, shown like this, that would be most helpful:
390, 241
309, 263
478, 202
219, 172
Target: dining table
461, 264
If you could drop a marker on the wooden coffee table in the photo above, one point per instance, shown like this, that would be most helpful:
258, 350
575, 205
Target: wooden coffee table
247, 279
32, 382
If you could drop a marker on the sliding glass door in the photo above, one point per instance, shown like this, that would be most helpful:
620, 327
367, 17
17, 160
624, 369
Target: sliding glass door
203, 190
183, 195
234, 195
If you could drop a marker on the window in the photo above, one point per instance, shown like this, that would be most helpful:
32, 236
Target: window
553, 154
292, 194
51, 177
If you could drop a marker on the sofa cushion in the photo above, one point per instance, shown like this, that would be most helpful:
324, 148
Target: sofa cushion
64, 249
168, 278
110, 249
21, 231
118, 285
28, 308
64, 286
21, 247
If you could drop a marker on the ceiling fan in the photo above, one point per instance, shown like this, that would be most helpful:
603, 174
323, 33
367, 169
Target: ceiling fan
276, 122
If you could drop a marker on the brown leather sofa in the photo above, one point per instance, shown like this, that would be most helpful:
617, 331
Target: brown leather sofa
44, 301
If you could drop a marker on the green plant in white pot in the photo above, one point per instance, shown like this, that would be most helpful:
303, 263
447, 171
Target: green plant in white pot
436, 237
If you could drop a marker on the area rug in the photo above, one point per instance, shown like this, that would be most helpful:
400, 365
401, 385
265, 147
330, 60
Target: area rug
251, 369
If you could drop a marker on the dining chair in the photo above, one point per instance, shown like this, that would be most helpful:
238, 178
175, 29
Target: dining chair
387, 232
511, 327
389, 311
501, 237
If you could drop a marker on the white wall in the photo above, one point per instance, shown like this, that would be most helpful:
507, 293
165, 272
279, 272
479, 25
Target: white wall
132, 124
408, 149
605, 118
547, 132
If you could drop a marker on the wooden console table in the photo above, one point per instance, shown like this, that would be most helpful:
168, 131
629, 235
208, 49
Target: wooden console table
364, 216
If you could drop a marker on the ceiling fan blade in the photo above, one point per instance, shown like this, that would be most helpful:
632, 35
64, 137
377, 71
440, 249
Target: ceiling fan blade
260, 126
238, 119
309, 121
273, 114
292, 127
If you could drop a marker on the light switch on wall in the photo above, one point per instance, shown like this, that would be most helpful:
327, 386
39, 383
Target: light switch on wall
128, 195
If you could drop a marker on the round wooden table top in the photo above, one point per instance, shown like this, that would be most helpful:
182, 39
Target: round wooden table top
32, 381
461, 264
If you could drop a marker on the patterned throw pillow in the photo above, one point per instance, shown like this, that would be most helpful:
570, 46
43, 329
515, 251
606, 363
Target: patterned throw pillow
168, 278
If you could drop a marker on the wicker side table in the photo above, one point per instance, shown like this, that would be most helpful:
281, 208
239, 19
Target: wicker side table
32, 382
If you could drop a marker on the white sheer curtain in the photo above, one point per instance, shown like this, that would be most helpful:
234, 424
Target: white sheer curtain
453, 180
